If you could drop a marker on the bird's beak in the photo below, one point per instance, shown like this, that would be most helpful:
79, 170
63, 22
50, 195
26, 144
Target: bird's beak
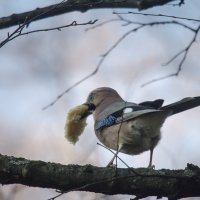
91, 108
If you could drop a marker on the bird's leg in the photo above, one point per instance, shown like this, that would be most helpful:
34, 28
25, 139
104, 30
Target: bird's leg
110, 164
151, 157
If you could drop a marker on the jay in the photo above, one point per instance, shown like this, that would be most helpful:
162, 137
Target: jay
128, 127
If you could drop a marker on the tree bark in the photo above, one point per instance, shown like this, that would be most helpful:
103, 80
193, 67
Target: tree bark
75, 5
141, 182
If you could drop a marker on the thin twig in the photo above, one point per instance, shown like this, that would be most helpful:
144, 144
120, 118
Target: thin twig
60, 194
101, 24
157, 15
130, 22
185, 52
71, 87
158, 79
120, 126
186, 49
74, 23
17, 32
105, 55
140, 25
131, 169
178, 4
114, 154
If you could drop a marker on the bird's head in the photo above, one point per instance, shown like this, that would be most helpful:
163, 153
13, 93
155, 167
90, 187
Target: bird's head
96, 101
100, 98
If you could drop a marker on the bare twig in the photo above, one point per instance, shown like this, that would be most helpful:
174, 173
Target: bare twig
181, 2
71, 87
158, 79
140, 25
19, 33
89, 75
186, 49
26, 22
114, 154
103, 57
74, 23
15, 33
184, 52
118, 19
101, 24
157, 15
118, 132
130, 22
58, 195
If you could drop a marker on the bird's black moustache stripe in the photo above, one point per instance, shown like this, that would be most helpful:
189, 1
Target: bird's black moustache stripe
91, 106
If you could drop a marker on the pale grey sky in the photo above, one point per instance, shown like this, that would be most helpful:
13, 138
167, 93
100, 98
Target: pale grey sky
36, 68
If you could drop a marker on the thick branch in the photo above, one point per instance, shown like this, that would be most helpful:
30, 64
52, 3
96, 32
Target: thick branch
76, 5
141, 182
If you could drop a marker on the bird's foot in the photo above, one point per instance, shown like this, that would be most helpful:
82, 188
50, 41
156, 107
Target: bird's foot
111, 164
151, 167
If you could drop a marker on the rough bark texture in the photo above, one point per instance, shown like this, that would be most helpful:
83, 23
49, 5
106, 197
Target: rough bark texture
141, 182
76, 5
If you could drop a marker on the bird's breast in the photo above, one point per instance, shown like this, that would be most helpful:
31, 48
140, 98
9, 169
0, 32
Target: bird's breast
134, 136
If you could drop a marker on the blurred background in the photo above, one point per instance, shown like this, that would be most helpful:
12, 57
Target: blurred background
35, 68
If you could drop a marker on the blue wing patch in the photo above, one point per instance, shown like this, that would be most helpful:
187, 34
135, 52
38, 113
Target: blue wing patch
117, 116
108, 121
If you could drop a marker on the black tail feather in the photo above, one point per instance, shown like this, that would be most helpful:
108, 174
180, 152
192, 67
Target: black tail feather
182, 105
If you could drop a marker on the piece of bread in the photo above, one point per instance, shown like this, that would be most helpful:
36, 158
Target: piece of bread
75, 123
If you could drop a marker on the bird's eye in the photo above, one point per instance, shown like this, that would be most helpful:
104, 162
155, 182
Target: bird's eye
91, 97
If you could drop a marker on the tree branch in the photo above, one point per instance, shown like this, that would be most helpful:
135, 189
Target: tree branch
76, 5
147, 182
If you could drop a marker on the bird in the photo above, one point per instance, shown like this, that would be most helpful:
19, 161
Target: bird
130, 128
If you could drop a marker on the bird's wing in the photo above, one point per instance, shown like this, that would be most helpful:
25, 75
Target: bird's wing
153, 104
135, 114
116, 107
121, 111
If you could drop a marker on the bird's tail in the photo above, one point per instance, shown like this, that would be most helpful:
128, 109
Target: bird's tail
182, 105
